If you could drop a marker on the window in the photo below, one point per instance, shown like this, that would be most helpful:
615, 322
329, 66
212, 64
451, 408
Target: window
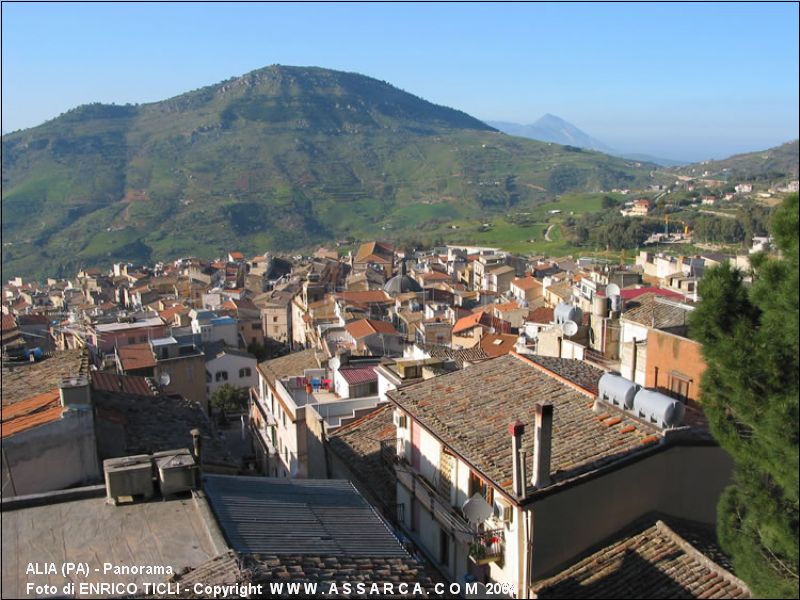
245, 372
221, 376
255, 326
208, 377
142, 338
479, 486
131, 340
274, 319
444, 547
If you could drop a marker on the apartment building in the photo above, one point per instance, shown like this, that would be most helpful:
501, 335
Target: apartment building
509, 469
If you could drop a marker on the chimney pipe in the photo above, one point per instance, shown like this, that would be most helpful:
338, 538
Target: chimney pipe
516, 429
523, 468
542, 444
197, 452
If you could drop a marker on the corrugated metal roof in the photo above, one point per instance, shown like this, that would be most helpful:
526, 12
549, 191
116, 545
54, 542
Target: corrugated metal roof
284, 516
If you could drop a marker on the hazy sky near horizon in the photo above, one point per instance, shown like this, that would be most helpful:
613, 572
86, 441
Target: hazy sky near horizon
684, 81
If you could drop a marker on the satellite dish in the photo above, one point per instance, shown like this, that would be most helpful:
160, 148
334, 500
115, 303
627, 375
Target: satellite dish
612, 289
570, 328
476, 509
164, 379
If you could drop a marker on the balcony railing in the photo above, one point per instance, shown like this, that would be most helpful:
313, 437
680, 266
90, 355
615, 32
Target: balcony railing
389, 453
429, 497
264, 411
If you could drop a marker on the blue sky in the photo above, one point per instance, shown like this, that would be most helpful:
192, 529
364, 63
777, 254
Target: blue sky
686, 81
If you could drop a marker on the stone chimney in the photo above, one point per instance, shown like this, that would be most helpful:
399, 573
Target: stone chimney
542, 444
516, 429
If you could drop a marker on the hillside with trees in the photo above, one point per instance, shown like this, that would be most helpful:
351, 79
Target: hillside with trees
280, 158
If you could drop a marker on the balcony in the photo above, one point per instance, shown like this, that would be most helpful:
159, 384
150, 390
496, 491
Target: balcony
266, 414
487, 546
439, 506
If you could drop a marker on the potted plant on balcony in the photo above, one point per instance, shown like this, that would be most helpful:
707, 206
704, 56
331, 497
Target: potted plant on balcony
486, 548
477, 552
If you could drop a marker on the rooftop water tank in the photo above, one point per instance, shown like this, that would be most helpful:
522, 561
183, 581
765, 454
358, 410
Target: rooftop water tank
600, 306
658, 408
617, 390
567, 312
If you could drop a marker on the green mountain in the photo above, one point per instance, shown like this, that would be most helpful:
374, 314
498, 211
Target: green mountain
277, 159
769, 166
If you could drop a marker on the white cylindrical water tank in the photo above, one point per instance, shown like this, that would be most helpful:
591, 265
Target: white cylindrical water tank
659, 408
567, 312
617, 390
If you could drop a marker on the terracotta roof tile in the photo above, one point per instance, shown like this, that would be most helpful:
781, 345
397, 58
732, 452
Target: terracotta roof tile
468, 322
358, 444
648, 311
23, 380
365, 297
127, 384
497, 344
136, 356
647, 561
576, 371
358, 375
366, 327
527, 283
291, 365
9, 322
374, 252
30, 413
543, 314
469, 411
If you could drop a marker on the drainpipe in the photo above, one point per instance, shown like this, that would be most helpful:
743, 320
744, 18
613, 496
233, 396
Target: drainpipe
542, 444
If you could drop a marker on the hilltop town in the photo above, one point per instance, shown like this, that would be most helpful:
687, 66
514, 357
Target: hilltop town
455, 414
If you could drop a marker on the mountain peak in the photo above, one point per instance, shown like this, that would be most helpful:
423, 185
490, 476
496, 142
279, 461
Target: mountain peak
552, 128
551, 118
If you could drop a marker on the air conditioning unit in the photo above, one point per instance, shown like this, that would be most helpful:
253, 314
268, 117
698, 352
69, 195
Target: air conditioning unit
400, 420
503, 512
175, 471
130, 476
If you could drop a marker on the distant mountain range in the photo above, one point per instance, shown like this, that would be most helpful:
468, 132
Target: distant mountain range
551, 128
281, 158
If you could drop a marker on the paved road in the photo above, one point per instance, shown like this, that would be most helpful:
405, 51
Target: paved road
547, 233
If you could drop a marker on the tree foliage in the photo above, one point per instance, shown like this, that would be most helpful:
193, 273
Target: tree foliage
229, 398
750, 395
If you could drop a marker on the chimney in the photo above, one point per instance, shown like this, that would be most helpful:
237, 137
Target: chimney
542, 444
75, 392
197, 452
516, 429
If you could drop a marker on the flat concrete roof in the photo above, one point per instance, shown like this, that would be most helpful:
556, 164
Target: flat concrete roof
159, 533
